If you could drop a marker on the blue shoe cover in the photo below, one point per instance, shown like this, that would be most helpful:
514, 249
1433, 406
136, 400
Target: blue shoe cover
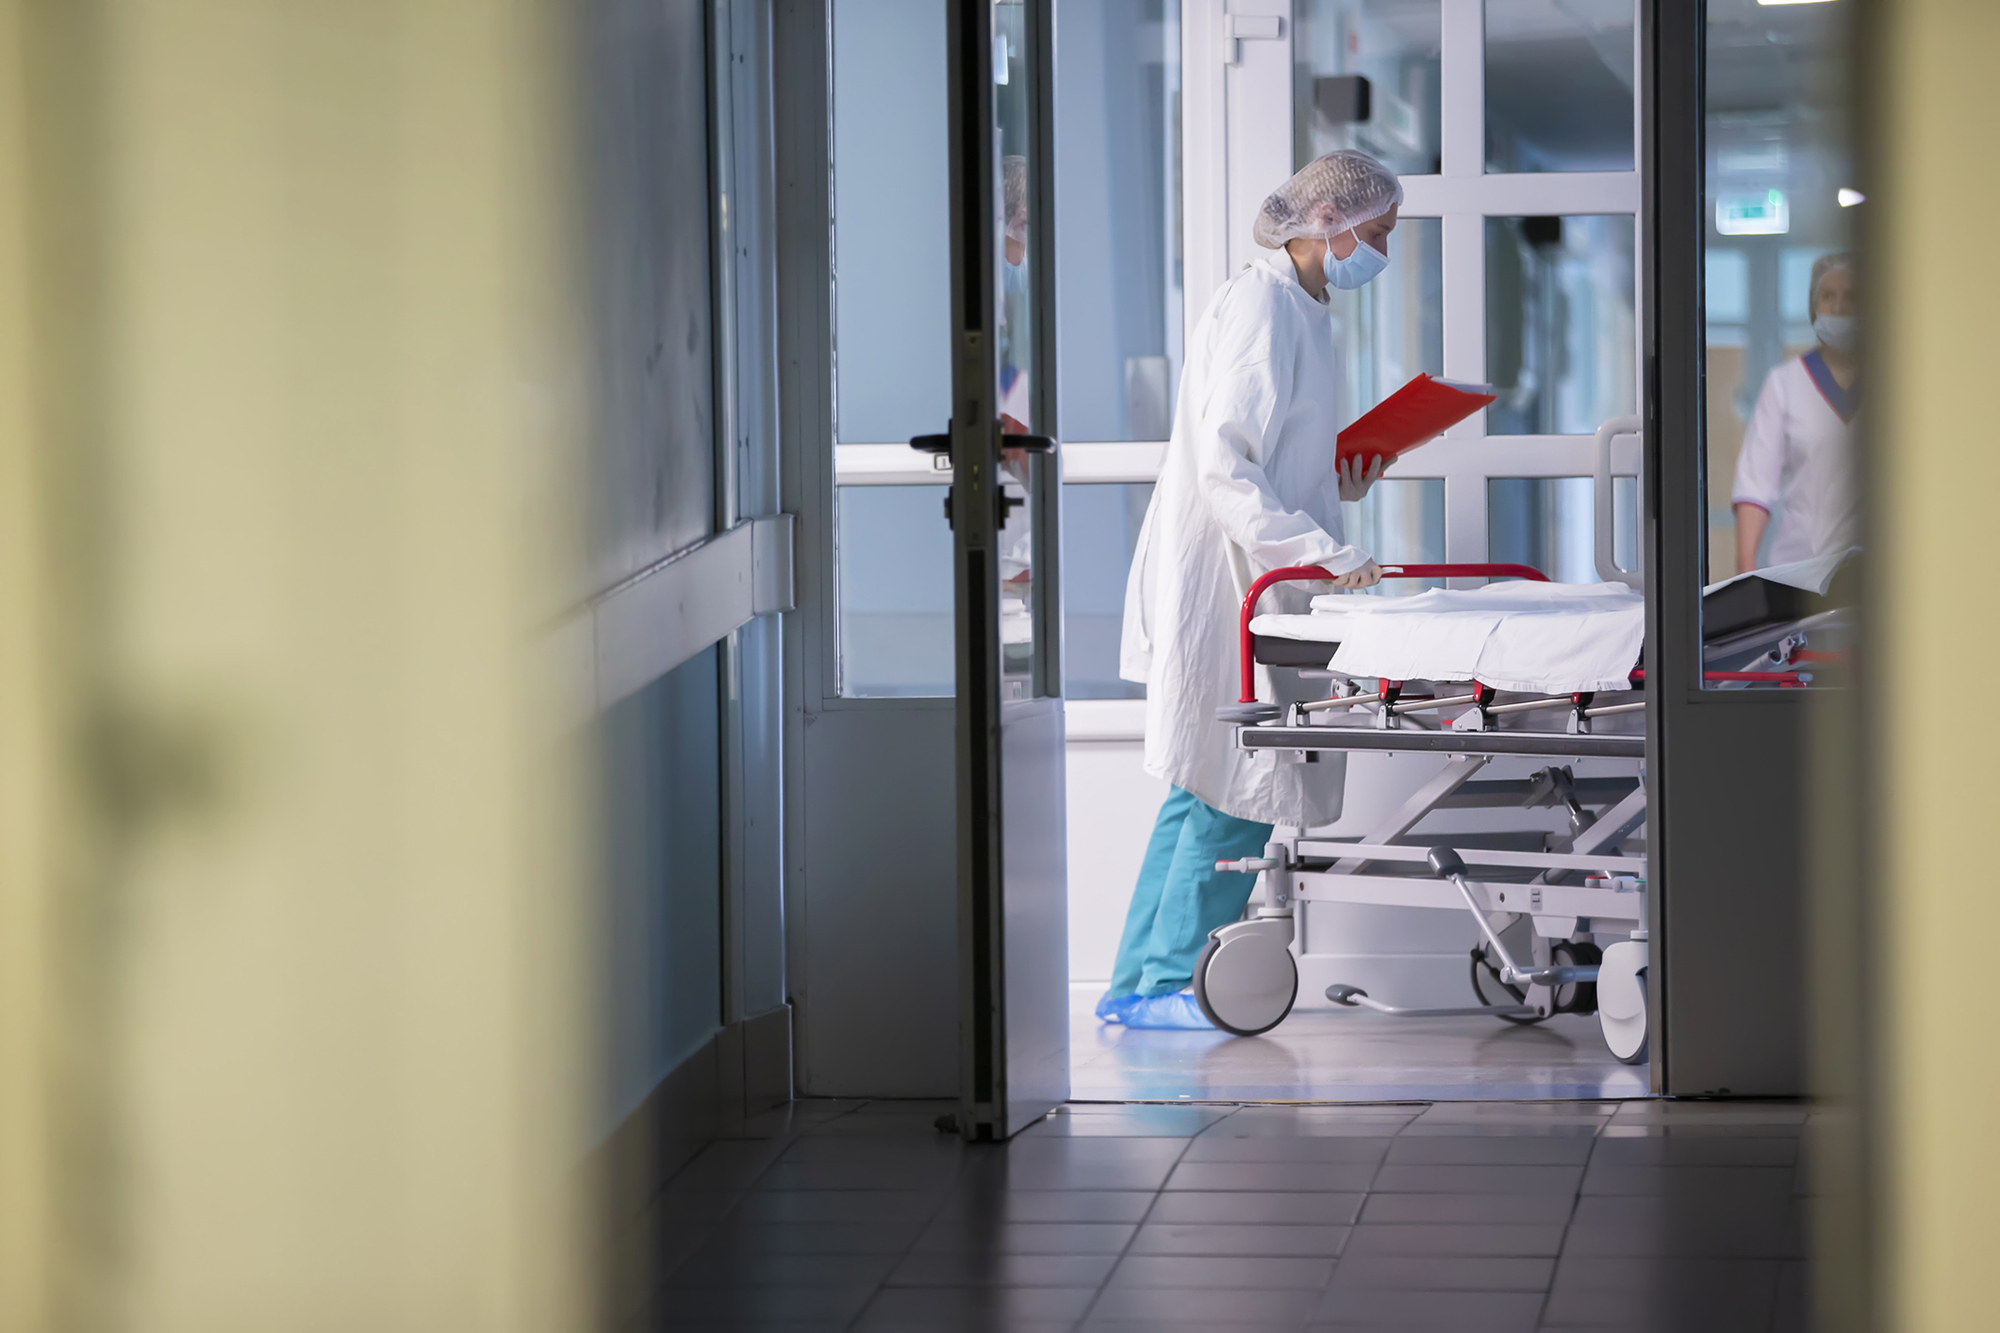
1111, 1009
1178, 1010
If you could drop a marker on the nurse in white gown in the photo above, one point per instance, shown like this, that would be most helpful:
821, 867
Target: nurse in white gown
1249, 484
1794, 475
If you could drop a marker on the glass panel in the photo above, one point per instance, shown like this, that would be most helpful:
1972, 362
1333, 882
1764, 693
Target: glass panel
891, 222
1100, 531
653, 486
1559, 85
1367, 78
1387, 332
1780, 176
1118, 250
894, 555
1549, 522
1400, 522
1561, 340
1020, 407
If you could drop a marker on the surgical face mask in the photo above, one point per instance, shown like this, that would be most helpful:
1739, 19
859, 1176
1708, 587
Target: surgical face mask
1357, 269
1837, 331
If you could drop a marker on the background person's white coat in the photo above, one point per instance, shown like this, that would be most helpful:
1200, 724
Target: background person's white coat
1248, 485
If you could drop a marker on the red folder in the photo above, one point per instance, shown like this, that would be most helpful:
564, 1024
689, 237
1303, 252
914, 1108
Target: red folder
1418, 412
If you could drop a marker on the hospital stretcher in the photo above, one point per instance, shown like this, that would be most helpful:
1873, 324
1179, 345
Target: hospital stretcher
1574, 888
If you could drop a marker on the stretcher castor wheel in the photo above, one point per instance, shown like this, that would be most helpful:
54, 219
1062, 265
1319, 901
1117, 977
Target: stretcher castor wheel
1578, 997
1621, 1000
1245, 980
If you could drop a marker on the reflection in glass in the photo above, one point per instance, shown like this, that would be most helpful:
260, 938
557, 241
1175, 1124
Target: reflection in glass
1400, 522
1118, 245
1550, 523
1367, 77
1386, 333
1561, 339
1101, 524
1778, 103
893, 550
1559, 85
891, 222
1018, 401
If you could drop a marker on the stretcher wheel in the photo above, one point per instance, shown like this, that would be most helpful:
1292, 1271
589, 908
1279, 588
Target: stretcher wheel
1621, 1000
1579, 997
1245, 980
1513, 994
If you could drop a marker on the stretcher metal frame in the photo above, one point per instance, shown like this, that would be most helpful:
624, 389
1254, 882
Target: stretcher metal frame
1247, 980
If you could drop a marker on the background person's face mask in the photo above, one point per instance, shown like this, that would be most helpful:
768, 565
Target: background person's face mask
1358, 269
1837, 331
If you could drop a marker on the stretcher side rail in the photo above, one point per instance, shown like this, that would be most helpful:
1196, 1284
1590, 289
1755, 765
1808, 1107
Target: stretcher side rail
1319, 574
1608, 863
1550, 744
1617, 908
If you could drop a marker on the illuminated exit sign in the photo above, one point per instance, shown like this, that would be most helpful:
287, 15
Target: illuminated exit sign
1764, 213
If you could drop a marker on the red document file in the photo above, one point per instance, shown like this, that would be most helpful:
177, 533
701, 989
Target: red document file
1418, 412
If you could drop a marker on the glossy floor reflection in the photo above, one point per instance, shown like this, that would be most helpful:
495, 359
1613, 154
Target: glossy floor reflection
1349, 1055
1492, 1216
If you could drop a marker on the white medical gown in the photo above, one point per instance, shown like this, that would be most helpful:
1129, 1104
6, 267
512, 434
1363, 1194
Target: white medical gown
1797, 461
1248, 485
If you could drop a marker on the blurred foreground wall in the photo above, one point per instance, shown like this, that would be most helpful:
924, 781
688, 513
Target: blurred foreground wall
1935, 467
290, 917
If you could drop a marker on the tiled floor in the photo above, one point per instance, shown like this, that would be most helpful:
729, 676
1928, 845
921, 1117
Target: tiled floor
1349, 1055
1465, 1215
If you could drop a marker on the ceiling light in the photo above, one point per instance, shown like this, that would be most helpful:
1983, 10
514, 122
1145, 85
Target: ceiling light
1849, 198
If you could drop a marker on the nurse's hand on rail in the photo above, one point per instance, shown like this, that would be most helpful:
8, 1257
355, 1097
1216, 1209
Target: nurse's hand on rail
1367, 576
1354, 480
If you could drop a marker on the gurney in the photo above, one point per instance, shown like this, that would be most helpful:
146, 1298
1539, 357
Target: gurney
1579, 898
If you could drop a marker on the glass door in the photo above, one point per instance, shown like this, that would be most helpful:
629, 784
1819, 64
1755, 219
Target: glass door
1007, 628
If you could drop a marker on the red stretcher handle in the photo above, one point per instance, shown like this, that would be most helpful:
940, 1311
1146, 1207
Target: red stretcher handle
1309, 573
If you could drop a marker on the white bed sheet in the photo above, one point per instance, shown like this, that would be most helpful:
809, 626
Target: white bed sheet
1540, 637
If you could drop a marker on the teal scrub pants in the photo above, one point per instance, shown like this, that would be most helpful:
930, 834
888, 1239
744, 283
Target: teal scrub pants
1181, 896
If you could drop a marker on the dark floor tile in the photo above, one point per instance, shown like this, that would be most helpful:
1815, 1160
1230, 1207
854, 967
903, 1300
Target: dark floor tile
1095, 1325
1307, 1241
818, 1237
1236, 1270
1271, 1148
973, 1307
892, 1153
1492, 1150
1609, 1224
727, 1164
1531, 1240
986, 1268
1793, 1304
694, 1205
1090, 1163
868, 1173
973, 1201
1426, 1178
1205, 1306
1696, 1150
1655, 1293
730, 1266
1024, 1238
1487, 1311
1709, 1185
1454, 1272
1251, 1177
1267, 1206
744, 1306
1403, 1208
838, 1205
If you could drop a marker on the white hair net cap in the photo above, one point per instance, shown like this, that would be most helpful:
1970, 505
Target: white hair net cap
1327, 196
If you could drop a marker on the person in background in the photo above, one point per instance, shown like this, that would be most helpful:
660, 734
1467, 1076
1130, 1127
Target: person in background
1796, 459
1249, 484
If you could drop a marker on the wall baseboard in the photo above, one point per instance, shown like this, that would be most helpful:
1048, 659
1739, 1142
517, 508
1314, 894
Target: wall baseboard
744, 1069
